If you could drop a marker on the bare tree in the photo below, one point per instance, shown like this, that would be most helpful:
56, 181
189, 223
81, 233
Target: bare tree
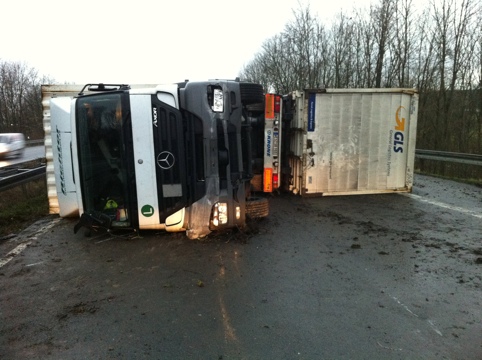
401, 48
365, 51
382, 16
453, 33
295, 59
448, 74
306, 46
20, 99
254, 71
343, 63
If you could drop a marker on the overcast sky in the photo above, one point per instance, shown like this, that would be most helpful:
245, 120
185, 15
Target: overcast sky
146, 41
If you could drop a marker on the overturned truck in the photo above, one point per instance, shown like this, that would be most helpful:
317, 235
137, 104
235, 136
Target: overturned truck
190, 156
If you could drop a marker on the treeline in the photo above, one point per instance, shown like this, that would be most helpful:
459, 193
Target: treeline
21, 100
436, 49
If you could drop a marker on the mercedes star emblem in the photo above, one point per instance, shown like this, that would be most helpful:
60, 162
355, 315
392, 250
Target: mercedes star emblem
165, 160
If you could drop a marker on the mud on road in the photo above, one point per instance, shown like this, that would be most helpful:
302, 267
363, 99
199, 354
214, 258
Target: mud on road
361, 277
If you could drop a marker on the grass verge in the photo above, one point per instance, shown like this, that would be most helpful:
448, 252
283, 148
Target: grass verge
22, 205
476, 182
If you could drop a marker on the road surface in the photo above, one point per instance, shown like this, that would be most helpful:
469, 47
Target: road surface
361, 277
31, 153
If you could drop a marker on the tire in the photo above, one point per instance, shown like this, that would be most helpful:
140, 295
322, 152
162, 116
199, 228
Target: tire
257, 207
251, 93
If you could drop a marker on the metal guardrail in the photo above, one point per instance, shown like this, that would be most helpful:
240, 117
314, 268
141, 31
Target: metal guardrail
11, 176
34, 142
471, 159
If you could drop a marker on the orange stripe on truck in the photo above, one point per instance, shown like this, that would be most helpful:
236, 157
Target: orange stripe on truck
268, 180
269, 106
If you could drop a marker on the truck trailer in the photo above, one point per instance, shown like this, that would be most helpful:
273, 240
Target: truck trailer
349, 141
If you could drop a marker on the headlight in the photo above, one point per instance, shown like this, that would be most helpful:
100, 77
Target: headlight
220, 214
218, 100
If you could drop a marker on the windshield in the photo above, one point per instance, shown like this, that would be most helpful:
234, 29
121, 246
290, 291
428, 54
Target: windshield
102, 159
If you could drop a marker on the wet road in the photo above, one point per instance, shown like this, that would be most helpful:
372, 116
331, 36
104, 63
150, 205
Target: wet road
361, 277
31, 153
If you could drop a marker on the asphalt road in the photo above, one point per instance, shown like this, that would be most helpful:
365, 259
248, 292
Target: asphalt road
31, 153
360, 277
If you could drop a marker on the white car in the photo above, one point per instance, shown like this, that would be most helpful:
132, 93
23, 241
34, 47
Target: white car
12, 144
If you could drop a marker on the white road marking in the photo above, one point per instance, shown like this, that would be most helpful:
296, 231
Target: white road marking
404, 306
430, 322
21, 247
434, 328
34, 264
13, 253
446, 206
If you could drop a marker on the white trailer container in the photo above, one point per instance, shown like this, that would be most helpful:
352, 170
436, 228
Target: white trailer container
351, 141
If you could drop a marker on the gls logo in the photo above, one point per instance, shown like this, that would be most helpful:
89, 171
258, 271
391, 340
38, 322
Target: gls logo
398, 136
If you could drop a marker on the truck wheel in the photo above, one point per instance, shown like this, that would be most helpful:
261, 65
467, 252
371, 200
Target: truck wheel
257, 207
251, 93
